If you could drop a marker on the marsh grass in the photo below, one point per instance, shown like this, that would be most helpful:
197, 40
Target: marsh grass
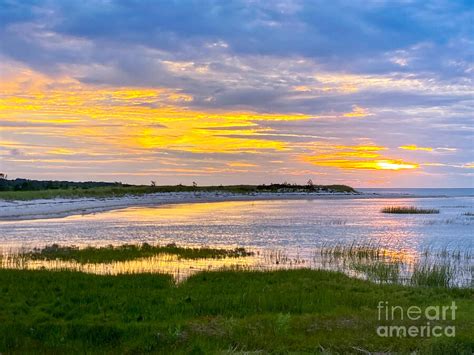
432, 267
293, 311
432, 274
354, 250
94, 192
381, 272
137, 190
127, 252
279, 257
439, 267
238, 310
409, 210
423, 273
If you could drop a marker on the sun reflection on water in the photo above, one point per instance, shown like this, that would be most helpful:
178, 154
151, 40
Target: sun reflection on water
171, 264
366, 262
283, 234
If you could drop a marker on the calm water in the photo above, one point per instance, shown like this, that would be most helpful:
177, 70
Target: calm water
295, 226
424, 191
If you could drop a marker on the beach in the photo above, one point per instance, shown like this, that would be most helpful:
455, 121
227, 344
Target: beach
62, 207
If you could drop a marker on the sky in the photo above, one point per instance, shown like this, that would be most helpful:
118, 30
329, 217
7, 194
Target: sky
365, 93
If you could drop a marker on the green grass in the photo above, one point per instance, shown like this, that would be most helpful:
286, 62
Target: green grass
409, 210
354, 251
423, 274
433, 267
126, 252
119, 190
93, 192
438, 275
379, 271
214, 312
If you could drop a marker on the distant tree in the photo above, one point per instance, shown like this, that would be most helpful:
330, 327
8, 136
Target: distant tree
3, 176
194, 184
153, 183
310, 183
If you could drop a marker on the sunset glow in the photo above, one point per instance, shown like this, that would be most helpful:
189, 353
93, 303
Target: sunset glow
393, 165
119, 104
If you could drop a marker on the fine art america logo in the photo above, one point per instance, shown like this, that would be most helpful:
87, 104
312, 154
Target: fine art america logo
430, 321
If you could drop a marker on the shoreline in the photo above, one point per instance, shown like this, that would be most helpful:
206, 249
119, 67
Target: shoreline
64, 207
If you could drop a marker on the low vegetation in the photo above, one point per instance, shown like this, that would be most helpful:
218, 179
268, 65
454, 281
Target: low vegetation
423, 273
409, 210
385, 272
298, 311
126, 252
436, 268
22, 189
440, 275
36, 185
432, 267
354, 251
93, 192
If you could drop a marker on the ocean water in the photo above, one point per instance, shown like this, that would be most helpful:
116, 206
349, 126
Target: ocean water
296, 226
444, 192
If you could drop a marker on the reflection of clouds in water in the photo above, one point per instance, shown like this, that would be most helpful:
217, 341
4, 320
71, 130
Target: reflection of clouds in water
164, 263
297, 226
358, 260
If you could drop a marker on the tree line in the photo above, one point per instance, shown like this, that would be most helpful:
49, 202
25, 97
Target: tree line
32, 185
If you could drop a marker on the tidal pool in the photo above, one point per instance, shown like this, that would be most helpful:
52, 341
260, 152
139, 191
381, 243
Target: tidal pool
297, 230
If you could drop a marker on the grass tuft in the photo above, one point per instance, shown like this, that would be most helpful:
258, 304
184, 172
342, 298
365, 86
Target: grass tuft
384, 272
126, 252
354, 251
432, 275
432, 267
409, 210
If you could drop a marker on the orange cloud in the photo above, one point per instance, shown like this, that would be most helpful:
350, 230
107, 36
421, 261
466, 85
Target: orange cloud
357, 158
238, 164
126, 117
301, 88
394, 165
415, 147
357, 111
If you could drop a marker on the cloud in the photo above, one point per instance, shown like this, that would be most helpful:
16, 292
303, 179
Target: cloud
209, 83
415, 147
357, 111
356, 158
158, 25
